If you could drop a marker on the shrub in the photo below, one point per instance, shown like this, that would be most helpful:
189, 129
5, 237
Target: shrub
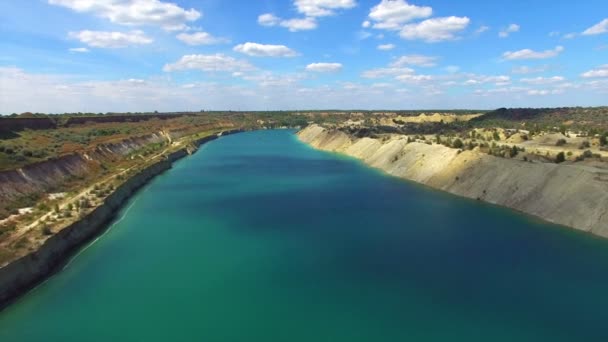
457, 143
587, 154
513, 151
584, 145
46, 230
561, 142
560, 158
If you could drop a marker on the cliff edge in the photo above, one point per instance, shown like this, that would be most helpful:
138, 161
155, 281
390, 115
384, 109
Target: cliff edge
570, 195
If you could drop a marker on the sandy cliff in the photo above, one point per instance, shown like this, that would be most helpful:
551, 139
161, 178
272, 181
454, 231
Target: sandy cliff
571, 195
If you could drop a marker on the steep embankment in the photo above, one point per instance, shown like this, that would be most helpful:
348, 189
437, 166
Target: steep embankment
40, 177
23, 274
571, 195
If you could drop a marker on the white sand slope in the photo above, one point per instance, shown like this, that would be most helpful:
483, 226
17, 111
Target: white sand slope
571, 195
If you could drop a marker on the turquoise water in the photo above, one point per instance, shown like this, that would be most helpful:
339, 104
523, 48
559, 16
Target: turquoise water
257, 237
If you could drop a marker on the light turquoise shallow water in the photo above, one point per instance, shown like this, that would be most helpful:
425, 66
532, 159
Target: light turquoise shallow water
257, 237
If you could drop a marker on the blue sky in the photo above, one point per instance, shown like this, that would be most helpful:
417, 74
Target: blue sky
141, 55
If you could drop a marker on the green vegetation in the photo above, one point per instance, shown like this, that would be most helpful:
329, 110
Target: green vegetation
457, 143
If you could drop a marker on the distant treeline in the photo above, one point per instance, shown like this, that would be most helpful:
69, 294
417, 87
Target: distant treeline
38, 121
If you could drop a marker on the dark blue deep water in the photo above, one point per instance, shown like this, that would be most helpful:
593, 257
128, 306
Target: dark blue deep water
258, 237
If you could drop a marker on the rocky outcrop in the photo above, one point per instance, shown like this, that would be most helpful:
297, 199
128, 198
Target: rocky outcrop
25, 273
570, 195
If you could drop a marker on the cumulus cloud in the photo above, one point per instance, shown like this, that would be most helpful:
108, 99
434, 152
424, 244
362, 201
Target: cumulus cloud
324, 67
543, 80
500, 80
293, 25
435, 30
508, 30
387, 72
268, 19
599, 28
169, 16
200, 38
386, 47
311, 9
601, 71
209, 63
113, 40
531, 54
299, 24
393, 14
265, 50
416, 60
322, 8
415, 79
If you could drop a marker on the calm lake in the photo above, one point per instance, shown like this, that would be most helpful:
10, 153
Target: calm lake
258, 237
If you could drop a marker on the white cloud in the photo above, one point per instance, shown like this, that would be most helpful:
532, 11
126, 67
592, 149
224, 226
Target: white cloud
544, 92
200, 38
417, 60
599, 28
264, 50
209, 63
79, 50
482, 29
268, 19
543, 80
601, 71
387, 72
500, 80
322, 8
507, 31
293, 25
324, 67
392, 14
386, 47
297, 24
169, 16
531, 54
366, 24
103, 39
569, 36
435, 30
525, 70
268, 79
416, 79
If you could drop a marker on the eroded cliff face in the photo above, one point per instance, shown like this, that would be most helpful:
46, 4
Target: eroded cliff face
571, 195
43, 176
21, 275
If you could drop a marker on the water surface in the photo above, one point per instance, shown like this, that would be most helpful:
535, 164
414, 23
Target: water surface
258, 237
